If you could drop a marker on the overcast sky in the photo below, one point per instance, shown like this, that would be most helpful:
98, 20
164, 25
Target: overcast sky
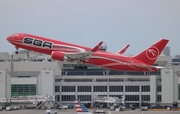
139, 23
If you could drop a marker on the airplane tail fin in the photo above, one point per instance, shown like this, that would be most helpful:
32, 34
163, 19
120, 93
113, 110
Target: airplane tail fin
123, 49
150, 55
80, 108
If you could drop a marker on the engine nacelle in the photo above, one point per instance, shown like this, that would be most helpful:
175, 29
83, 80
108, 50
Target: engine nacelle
58, 56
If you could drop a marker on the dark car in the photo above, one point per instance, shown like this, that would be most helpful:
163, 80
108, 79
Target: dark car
70, 106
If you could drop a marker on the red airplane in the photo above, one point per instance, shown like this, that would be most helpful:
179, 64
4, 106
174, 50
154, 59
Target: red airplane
63, 51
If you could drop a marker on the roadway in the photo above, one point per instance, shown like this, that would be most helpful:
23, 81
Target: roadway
73, 111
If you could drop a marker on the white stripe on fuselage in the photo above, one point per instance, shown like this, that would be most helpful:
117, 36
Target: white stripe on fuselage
118, 62
62, 45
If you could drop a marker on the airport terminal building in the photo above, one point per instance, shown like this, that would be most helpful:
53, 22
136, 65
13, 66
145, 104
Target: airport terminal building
31, 73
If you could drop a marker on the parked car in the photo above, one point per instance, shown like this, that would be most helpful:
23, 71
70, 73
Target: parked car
144, 108
8, 108
15, 107
1, 108
70, 106
63, 107
51, 112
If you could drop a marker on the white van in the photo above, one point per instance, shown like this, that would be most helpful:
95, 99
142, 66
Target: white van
8, 108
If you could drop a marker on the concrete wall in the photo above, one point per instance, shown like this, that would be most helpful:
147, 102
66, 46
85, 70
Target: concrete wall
48, 80
5, 65
37, 66
2, 83
153, 89
175, 86
31, 80
30, 66
167, 85
5, 84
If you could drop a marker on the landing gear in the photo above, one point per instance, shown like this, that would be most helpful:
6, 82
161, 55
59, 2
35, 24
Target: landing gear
16, 52
80, 67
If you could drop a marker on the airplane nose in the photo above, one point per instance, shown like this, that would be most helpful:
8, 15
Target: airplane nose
9, 38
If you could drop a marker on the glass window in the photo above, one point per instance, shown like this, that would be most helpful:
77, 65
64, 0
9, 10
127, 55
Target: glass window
145, 97
57, 88
132, 88
68, 89
115, 88
145, 88
57, 97
67, 97
132, 97
102, 95
159, 89
158, 97
179, 91
57, 80
23, 90
84, 97
84, 88
119, 96
100, 88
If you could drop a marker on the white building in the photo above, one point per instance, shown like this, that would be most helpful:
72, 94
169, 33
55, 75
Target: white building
167, 51
37, 74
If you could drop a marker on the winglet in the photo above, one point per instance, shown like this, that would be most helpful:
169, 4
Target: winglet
123, 49
97, 47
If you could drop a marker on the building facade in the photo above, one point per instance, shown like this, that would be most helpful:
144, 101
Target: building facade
36, 74
167, 51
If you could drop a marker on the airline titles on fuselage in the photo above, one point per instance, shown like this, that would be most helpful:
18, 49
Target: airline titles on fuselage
50, 45
36, 42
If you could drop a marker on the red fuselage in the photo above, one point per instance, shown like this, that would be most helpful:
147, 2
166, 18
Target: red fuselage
99, 58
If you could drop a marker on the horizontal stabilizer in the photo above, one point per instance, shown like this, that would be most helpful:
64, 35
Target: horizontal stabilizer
159, 67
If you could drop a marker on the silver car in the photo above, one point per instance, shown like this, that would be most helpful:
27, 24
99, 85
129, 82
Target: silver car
51, 112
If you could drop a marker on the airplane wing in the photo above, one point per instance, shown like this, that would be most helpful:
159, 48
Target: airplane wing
123, 49
83, 55
80, 108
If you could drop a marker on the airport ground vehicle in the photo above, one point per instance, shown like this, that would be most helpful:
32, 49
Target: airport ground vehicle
51, 112
70, 106
15, 107
63, 107
1, 108
100, 112
8, 108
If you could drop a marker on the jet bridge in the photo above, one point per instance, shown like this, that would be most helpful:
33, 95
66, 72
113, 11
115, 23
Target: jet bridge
103, 102
24, 99
37, 99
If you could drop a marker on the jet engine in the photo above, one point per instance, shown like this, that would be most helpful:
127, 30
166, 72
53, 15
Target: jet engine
58, 56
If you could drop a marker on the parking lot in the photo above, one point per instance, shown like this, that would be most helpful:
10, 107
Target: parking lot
73, 111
